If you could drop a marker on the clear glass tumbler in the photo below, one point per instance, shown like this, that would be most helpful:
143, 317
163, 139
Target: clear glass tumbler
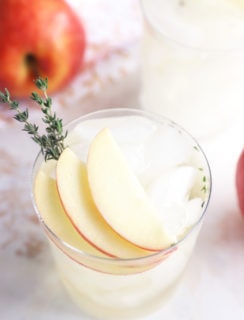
116, 288
193, 63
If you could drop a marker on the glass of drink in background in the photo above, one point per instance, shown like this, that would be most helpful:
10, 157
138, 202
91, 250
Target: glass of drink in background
193, 62
175, 175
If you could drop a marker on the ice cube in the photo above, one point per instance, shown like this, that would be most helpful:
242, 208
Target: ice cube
177, 218
173, 186
134, 153
164, 149
193, 211
173, 218
126, 129
130, 132
170, 194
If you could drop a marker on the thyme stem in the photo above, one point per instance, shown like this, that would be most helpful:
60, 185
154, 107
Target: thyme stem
52, 142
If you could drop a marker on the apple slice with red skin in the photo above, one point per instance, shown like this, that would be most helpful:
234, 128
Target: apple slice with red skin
76, 198
39, 38
50, 208
52, 213
119, 196
240, 181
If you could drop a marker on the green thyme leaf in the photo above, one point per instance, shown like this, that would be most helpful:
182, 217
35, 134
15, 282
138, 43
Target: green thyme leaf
51, 143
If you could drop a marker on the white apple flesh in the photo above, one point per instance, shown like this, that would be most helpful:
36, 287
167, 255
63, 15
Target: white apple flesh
119, 196
52, 213
76, 198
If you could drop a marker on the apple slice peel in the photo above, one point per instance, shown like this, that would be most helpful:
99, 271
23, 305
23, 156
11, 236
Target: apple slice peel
75, 195
120, 197
49, 205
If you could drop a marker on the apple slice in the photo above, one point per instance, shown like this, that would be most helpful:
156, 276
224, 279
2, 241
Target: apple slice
120, 197
49, 205
75, 195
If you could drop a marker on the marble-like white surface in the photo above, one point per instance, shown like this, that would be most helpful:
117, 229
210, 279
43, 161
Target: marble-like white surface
213, 285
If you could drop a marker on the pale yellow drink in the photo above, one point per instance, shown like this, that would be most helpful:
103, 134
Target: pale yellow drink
193, 62
174, 172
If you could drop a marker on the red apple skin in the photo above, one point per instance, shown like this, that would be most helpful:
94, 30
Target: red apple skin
240, 181
50, 33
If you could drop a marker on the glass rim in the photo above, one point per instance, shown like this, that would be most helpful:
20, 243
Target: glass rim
187, 46
109, 259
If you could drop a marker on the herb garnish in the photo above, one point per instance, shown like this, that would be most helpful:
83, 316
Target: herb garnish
204, 180
51, 143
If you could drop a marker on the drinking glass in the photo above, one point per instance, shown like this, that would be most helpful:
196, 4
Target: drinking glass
192, 64
116, 288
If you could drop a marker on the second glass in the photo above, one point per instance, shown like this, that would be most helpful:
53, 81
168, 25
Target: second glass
128, 288
193, 62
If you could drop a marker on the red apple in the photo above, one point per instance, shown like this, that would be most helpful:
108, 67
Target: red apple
240, 181
39, 37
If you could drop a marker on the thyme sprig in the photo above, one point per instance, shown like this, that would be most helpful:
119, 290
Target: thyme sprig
52, 142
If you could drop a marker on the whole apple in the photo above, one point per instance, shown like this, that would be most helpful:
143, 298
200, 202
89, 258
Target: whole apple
240, 181
39, 38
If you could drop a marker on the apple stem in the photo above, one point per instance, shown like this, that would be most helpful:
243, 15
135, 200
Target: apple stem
32, 64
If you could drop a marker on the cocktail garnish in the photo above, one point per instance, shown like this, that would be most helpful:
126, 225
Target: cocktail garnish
52, 142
